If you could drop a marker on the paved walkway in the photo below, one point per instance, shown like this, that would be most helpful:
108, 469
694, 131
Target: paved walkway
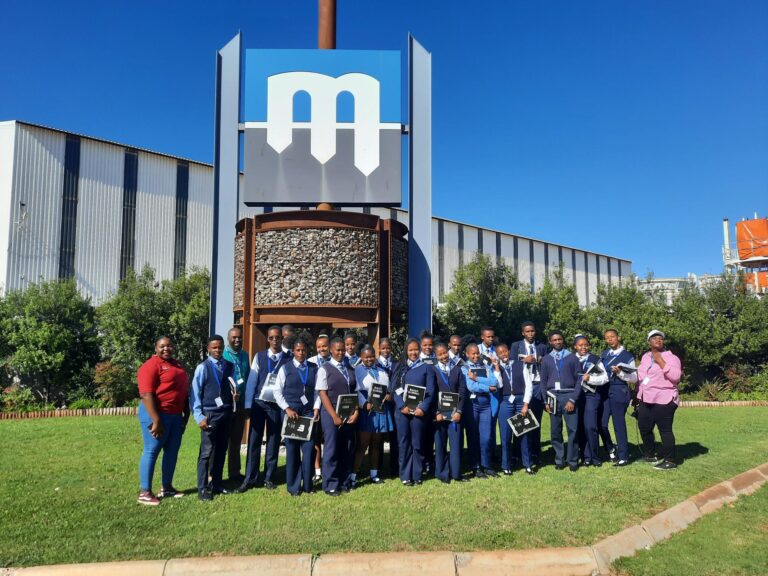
583, 561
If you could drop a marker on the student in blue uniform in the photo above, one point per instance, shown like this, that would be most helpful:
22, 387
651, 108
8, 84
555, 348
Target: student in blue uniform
211, 401
527, 354
372, 426
591, 401
510, 405
265, 413
487, 344
454, 349
322, 344
295, 394
619, 395
560, 376
410, 426
448, 427
350, 350
483, 394
386, 362
333, 379
427, 355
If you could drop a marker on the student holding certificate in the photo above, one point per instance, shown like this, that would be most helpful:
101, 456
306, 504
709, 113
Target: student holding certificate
373, 426
594, 391
483, 386
409, 421
560, 377
621, 366
295, 394
451, 391
335, 379
265, 413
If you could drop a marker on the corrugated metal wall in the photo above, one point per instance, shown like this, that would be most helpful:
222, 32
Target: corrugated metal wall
99, 218
7, 146
38, 181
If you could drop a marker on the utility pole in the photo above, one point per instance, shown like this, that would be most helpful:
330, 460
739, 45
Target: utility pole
326, 24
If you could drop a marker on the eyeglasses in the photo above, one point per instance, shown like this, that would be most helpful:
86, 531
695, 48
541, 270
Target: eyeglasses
274, 337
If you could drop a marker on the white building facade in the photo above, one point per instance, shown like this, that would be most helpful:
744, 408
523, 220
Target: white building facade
72, 206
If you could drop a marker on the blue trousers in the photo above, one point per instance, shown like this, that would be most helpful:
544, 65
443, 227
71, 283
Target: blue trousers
213, 449
472, 436
483, 422
594, 429
338, 450
169, 443
411, 445
448, 464
556, 431
533, 438
615, 407
506, 411
265, 417
299, 465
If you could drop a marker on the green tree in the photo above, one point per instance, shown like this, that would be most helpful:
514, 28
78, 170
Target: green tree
556, 307
484, 292
51, 339
188, 298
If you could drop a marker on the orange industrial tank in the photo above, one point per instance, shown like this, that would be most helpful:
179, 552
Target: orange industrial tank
752, 238
762, 280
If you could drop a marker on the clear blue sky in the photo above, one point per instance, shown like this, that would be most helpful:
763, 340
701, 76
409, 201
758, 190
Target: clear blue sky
625, 127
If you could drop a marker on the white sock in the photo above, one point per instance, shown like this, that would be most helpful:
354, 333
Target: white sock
374, 473
318, 471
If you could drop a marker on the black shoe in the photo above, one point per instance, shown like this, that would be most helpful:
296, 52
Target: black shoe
244, 488
462, 479
621, 463
480, 474
295, 494
665, 465
377, 480
530, 471
491, 472
507, 472
407, 483
597, 464
573, 468
612, 454
269, 485
444, 481
416, 483
586, 464
220, 491
205, 495
651, 459
316, 479
333, 493
559, 466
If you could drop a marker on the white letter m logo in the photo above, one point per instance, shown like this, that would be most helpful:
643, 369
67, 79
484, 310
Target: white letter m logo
323, 91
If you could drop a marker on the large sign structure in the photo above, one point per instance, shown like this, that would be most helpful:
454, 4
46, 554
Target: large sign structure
321, 126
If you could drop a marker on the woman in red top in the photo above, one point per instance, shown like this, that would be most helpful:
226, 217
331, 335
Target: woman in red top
163, 413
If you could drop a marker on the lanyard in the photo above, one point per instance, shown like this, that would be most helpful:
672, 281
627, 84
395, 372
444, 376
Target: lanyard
306, 374
558, 364
443, 376
269, 365
613, 358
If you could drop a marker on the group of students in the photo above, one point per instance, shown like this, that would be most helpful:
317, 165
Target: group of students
492, 380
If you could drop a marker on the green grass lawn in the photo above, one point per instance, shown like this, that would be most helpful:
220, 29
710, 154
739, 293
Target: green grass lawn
732, 541
68, 490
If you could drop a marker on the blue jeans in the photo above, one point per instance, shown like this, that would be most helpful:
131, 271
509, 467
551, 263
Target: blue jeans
169, 442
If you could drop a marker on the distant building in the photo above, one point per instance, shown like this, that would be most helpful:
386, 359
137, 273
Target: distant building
73, 206
670, 287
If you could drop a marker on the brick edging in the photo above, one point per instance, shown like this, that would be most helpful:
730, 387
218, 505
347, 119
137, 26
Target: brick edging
584, 560
131, 411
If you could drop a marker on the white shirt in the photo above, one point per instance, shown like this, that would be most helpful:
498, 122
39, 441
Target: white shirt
386, 362
319, 360
364, 384
253, 375
322, 375
595, 379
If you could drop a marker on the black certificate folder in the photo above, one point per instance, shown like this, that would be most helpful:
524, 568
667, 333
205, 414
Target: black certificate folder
413, 396
346, 405
300, 429
521, 424
449, 403
376, 397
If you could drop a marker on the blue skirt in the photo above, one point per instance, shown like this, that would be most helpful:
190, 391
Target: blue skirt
375, 422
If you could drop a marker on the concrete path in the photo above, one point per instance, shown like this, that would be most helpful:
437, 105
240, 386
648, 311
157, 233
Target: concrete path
583, 561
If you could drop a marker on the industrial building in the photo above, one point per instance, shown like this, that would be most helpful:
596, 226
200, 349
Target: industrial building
73, 206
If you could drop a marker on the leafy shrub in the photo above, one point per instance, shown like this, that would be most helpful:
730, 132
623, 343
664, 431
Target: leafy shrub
715, 390
18, 399
85, 404
115, 384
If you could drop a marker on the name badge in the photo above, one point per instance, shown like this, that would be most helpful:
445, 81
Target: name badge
472, 396
399, 391
511, 398
557, 385
219, 402
271, 380
240, 381
304, 400
645, 380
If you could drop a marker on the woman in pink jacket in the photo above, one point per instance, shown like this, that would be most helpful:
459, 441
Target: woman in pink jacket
658, 374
